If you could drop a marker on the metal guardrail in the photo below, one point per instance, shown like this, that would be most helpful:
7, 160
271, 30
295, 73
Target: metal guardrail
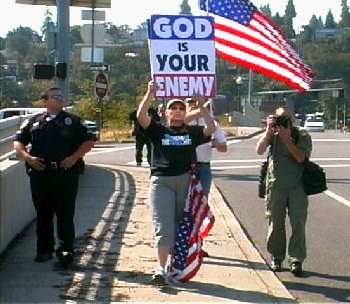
8, 128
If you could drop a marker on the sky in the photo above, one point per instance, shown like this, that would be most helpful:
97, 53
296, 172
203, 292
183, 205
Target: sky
134, 12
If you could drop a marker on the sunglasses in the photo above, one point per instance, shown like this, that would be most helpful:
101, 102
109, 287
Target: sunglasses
56, 96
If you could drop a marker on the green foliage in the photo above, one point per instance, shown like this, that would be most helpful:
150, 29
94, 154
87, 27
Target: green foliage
330, 23
48, 25
20, 41
185, 8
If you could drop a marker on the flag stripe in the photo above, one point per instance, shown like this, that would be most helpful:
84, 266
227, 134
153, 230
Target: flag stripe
260, 66
238, 45
246, 36
187, 258
261, 45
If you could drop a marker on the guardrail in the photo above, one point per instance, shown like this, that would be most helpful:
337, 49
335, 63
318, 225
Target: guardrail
8, 128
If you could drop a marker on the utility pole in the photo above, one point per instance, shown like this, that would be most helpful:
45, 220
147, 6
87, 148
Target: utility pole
63, 44
93, 32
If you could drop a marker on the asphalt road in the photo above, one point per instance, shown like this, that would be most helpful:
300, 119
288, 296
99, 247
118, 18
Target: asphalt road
327, 268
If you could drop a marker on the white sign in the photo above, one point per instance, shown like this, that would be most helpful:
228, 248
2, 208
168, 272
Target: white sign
98, 15
86, 55
182, 55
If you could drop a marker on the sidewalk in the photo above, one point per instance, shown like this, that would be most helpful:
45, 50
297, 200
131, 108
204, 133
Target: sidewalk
116, 256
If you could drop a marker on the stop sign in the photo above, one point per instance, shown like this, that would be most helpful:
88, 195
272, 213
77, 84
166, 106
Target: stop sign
101, 85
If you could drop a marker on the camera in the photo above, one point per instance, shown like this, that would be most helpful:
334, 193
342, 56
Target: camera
282, 121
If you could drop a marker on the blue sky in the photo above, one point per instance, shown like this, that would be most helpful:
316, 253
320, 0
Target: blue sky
134, 12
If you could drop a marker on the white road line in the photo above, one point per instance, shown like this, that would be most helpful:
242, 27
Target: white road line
337, 198
95, 151
260, 160
331, 139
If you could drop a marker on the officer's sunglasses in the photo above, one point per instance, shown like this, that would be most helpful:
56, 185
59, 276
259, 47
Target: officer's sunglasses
56, 96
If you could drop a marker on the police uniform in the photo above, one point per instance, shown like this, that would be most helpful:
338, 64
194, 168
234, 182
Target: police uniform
54, 190
140, 139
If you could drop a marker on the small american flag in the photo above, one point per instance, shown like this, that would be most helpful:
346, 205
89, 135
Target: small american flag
246, 36
196, 224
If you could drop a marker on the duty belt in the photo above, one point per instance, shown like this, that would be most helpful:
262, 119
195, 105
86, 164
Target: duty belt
53, 166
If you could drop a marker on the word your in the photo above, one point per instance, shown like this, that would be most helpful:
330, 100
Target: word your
185, 85
187, 62
182, 28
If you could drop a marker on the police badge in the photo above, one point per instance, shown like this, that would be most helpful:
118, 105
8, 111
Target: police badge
68, 121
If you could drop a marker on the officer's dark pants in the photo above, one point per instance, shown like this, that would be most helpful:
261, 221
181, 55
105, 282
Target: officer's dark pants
54, 193
141, 140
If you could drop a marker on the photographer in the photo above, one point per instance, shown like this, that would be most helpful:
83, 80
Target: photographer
288, 148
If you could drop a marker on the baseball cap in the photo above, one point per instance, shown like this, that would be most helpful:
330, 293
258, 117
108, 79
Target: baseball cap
173, 101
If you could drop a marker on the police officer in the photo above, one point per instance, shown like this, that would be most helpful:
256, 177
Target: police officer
140, 139
59, 140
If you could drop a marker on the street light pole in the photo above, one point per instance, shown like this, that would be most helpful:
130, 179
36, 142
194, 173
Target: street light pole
63, 45
239, 82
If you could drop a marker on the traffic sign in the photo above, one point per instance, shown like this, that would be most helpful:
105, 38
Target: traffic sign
103, 67
101, 85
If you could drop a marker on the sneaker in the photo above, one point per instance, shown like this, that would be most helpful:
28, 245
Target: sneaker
43, 257
159, 278
276, 265
296, 268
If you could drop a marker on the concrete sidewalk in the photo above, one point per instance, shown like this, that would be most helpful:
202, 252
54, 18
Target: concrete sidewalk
116, 256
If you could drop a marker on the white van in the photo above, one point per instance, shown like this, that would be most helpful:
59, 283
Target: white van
314, 124
9, 112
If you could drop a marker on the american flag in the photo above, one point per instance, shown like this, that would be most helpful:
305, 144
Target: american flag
246, 36
196, 224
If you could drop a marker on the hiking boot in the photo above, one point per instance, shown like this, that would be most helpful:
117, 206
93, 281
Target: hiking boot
159, 278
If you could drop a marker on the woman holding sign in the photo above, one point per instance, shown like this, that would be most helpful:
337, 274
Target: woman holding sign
173, 151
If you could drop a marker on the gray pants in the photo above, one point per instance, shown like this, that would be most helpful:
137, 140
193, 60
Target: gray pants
167, 200
296, 203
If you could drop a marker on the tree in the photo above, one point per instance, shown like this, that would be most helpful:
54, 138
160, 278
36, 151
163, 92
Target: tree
278, 20
288, 19
314, 24
48, 25
266, 10
330, 23
19, 41
75, 36
345, 15
185, 8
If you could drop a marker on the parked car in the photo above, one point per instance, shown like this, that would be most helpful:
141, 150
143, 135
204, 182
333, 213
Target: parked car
92, 127
314, 124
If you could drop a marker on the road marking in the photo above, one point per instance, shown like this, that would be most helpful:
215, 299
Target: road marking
337, 198
330, 139
95, 151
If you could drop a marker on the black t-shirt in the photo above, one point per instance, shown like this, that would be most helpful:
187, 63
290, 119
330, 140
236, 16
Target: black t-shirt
173, 148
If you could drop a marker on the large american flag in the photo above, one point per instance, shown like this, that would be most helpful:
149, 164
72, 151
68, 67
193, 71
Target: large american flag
195, 225
246, 36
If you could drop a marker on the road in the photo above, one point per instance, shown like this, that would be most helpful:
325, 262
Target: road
327, 268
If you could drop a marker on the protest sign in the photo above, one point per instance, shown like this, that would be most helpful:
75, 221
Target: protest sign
182, 54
